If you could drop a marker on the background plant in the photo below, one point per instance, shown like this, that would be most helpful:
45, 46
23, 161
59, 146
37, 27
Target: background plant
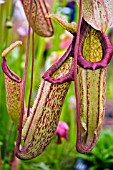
55, 156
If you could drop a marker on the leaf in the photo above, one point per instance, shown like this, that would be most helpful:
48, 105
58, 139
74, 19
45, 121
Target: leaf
98, 13
62, 21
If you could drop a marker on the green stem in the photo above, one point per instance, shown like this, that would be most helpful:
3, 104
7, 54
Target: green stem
2, 17
8, 7
0, 157
72, 127
6, 38
32, 70
39, 60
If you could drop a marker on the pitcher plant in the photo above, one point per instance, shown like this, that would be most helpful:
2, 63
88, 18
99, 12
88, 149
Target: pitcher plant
85, 62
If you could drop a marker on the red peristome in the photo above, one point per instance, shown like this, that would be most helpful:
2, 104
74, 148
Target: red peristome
69, 76
106, 46
9, 72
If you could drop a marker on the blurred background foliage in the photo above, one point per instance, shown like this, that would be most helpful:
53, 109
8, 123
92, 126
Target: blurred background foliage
13, 26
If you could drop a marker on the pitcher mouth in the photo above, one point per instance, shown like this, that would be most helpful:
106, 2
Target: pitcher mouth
9, 72
107, 49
